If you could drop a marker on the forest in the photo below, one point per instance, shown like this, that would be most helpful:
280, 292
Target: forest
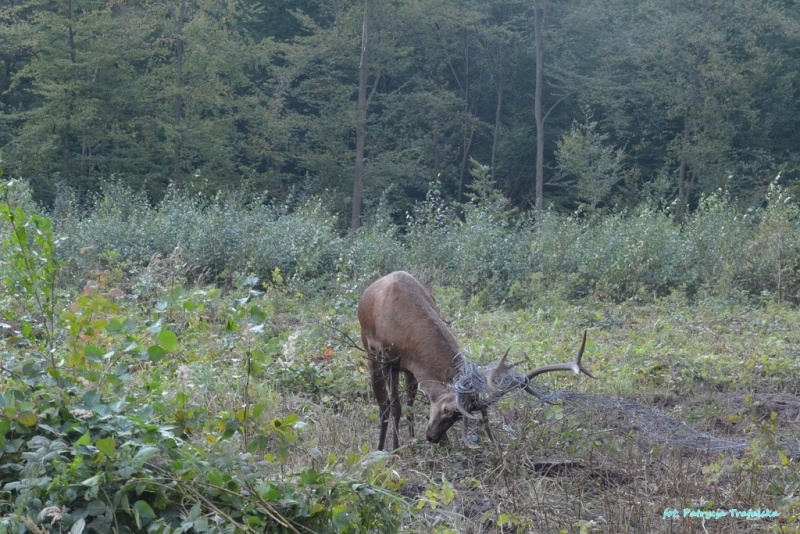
574, 105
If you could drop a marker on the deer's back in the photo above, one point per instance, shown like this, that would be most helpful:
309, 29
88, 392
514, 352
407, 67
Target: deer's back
399, 316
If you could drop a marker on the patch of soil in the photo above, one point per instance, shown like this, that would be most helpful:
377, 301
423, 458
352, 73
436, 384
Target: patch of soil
606, 477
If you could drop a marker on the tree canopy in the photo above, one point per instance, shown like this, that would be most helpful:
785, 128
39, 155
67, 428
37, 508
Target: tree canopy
646, 100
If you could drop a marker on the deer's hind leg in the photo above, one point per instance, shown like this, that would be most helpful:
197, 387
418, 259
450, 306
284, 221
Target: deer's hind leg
411, 395
379, 388
379, 376
393, 376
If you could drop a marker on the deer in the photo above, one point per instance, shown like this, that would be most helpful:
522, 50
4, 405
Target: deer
402, 330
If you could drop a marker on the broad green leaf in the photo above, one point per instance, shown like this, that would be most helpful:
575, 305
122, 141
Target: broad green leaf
216, 478
143, 513
257, 315
144, 454
168, 340
182, 398
91, 398
85, 439
156, 353
93, 352
107, 446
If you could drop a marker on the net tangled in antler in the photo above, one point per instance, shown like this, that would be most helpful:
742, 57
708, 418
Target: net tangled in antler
474, 392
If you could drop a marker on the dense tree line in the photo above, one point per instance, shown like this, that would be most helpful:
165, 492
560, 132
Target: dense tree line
608, 103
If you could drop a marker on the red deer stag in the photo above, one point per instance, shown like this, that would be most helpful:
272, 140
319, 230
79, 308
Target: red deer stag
402, 330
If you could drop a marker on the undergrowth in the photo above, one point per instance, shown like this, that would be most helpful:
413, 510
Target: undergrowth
102, 428
495, 256
136, 394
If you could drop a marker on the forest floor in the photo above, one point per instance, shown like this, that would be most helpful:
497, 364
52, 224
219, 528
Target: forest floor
691, 425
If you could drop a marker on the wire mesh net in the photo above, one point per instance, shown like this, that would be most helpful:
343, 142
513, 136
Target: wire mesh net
474, 393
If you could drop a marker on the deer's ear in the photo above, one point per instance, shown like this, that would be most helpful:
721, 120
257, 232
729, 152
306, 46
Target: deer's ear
425, 388
432, 389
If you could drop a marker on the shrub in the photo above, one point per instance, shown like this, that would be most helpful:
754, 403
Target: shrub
627, 255
226, 237
481, 248
80, 449
719, 234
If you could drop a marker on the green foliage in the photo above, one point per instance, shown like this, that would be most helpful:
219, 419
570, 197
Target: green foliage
87, 462
626, 256
213, 96
375, 249
227, 237
586, 159
82, 448
776, 246
489, 252
479, 254
164, 406
29, 270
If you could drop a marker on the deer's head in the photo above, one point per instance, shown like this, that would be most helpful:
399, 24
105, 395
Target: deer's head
445, 410
487, 386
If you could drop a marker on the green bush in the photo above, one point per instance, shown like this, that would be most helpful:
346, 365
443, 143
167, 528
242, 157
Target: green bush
84, 448
83, 462
223, 238
373, 250
627, 255
480, 248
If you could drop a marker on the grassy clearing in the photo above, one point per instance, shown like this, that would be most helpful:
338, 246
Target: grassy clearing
143, 398
730, 370
721, 368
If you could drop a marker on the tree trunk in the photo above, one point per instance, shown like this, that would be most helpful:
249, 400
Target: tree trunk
437, 156
687, 175
361, 120
497, 113
178, 120
469, 133
683, 193
469, 127
538, 15
66, 134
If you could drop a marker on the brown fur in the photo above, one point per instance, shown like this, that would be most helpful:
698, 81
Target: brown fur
402, 330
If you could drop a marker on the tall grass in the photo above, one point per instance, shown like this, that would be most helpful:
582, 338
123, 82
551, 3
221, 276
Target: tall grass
479, 248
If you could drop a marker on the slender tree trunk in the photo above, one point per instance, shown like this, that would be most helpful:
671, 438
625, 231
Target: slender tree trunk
65, 148
497, 113
436, 153
66, 134
469, 128
683, 185
538, 15
469, 133
687, 175
437, 156
361, 120
178, 119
